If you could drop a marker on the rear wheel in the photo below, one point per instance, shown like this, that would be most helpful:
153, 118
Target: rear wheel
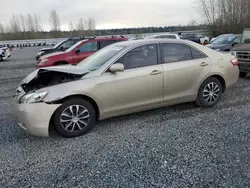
209, 93
74, 118
243, 74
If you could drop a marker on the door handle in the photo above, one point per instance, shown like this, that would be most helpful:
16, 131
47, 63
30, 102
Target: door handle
203, 64
155, 72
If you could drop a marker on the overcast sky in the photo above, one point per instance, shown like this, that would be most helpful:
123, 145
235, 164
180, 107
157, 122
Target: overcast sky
108, 13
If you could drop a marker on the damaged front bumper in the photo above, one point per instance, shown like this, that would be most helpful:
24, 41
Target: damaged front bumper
35, 117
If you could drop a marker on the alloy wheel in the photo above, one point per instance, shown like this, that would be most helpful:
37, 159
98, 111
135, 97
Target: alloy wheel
211, 92
74, 118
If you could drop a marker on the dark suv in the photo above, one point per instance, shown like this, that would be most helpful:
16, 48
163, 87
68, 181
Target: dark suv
190, 36
61, 46
78, 52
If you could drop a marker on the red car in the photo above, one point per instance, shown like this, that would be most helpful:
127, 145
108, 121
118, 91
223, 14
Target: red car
77, 52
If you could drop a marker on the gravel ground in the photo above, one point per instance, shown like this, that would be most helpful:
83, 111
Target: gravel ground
179, 146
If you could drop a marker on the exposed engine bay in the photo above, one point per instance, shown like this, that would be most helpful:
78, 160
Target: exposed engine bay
45, 78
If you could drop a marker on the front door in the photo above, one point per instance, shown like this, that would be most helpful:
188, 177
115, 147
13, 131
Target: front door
139, 86
85, 51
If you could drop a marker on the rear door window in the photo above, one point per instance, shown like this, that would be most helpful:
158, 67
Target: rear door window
197, 54
89, 47
174, 52
104, 43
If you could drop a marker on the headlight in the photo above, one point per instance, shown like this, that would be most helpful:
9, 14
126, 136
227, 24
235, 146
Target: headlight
33, 97
43, 61
234, 54
217, 50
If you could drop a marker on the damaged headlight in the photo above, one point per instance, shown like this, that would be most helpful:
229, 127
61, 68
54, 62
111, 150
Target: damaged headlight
43, 61
33, 97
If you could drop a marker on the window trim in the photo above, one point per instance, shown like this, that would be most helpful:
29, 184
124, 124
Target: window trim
189, 46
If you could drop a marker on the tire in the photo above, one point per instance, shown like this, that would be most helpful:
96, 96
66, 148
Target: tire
1, 58
243, 74
68, 125
212, 86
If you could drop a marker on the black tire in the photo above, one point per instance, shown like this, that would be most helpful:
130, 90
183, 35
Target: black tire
203, 101
59, 126
1, 58
243, 74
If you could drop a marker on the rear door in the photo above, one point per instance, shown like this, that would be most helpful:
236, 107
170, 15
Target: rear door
85, 50
184, 69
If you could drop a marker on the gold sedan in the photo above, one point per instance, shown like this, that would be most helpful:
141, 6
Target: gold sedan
122, 78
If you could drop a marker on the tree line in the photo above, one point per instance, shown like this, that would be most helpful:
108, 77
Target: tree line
225, 16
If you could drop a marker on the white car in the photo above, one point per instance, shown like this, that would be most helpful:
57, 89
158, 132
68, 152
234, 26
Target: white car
4, 53
204, 39
164, 36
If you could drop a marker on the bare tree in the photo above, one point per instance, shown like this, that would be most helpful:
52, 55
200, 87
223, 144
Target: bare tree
30, 22
55, 21
2, 30
37, 22
91, 24
80, 26
71, 26
15, 24
23, 23
226, 16
192, 23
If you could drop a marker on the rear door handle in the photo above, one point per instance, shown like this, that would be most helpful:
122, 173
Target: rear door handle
155, 72
203, 64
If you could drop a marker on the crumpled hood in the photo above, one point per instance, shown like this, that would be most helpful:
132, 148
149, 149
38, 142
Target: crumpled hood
241, 47
67, 69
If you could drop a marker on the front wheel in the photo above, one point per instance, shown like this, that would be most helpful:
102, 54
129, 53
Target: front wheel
209, 93
74, 118
243, 74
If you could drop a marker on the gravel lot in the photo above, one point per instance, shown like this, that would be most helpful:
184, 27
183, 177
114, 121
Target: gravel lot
179, 146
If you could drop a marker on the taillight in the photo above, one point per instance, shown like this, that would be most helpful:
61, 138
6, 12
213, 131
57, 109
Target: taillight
234, 62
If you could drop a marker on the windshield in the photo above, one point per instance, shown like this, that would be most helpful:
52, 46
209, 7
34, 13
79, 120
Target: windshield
99, 58
72, 47
224, 39
58, 44
246, 37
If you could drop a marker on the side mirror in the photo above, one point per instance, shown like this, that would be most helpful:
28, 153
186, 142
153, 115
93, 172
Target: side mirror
61, 48
77, 51
118, 67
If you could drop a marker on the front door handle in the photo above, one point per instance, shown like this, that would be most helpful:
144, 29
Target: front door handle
203, 64
155, 72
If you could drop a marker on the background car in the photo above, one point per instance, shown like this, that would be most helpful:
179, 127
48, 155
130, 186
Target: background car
225, 42
61, 46
190, 36
4, 53
242, 53
163, 36
122, 78
203, 39
77, 52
